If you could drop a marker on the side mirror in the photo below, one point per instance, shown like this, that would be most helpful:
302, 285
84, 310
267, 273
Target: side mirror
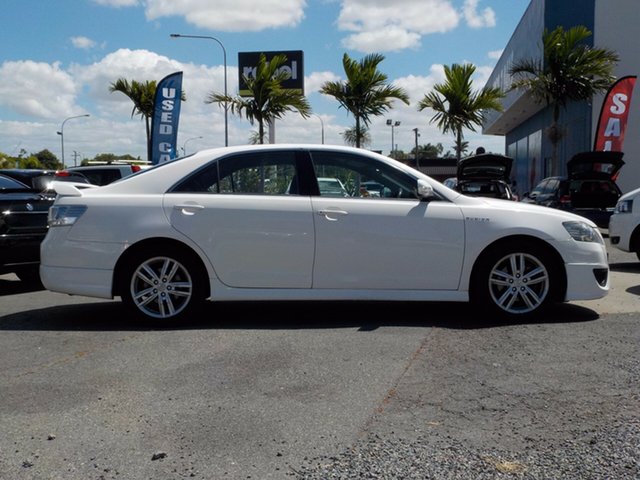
425, 190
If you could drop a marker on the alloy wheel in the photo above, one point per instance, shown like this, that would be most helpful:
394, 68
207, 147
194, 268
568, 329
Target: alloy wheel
161, 287
519, 283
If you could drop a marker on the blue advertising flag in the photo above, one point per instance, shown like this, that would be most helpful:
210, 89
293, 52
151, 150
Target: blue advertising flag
164, 122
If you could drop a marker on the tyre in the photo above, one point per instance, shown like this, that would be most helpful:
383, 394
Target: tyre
162, 286
29, 275
516, 281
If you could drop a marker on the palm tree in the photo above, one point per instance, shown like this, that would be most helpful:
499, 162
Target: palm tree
365, 93
142, 94
351, 137
457, 106
461, 148
268, 100
570, 70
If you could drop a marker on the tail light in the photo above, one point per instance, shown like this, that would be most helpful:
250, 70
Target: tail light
135, 168
565, 200
63, 173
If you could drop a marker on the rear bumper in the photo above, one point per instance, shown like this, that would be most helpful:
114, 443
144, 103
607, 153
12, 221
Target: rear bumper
76, 281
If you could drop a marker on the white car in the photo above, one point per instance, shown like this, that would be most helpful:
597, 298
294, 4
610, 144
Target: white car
624, 224
251, 223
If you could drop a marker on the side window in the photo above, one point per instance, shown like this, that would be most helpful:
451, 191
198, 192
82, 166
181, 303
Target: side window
261, 173
344, 175
541, 188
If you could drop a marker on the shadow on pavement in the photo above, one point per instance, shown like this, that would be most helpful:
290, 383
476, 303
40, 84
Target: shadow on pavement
9, 286
628, 267
366, 316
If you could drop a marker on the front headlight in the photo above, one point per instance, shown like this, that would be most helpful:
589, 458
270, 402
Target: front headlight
583, 232
65, 215
624, 206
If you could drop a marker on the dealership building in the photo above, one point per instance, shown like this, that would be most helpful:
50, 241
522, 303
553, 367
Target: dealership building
523, 122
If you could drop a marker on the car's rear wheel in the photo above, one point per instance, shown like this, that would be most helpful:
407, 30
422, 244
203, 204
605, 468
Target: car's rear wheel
163, 286
29, 274
516, 281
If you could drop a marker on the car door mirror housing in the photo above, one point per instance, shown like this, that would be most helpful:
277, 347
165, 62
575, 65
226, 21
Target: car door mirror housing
425, 190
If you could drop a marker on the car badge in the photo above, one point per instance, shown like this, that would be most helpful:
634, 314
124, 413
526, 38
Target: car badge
29, 207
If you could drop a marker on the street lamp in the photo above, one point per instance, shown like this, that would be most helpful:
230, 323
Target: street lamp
322, 126
61, 133
184, 145
417, 134
392, 124
224, 53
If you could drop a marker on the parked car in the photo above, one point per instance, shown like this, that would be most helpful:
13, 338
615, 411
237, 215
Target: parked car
589, 189
35, 178
23, 226
450, 182
624, 224
211, 226
40, 179
484, 175
99, 174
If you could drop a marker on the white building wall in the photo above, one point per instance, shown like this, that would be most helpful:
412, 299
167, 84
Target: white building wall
617, 25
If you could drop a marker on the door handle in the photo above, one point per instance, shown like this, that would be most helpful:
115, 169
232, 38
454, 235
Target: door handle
331, 213
189, 209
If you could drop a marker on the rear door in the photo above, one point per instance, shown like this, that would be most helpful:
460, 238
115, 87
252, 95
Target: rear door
243, 214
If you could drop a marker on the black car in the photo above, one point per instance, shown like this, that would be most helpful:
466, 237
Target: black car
37, 179
23, 226
485, 175
589, 189
40, 179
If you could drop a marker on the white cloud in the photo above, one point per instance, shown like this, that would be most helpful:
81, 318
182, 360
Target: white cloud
495, 54
314, 82
82, 42
37, 90
231, 15
381, 25
389, 39
475, 19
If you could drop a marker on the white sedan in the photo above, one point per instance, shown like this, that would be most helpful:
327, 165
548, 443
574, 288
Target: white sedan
251, 223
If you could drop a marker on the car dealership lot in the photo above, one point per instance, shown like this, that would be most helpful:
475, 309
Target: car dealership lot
86, 394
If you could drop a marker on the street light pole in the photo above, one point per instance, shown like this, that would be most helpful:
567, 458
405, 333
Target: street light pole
322, 126
61, 133
224, 54
184, 145
392, 124
415, 130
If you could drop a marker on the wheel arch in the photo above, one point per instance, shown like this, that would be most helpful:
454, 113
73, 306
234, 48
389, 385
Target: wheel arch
634, 240
119, 282
509, 241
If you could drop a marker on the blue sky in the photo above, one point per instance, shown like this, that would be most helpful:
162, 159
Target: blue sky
58, 58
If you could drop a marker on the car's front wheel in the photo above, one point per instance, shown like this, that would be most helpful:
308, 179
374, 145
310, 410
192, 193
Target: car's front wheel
163, 287
516, 280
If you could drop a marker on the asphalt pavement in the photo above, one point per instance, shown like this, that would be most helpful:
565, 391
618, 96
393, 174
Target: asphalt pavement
320, 390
